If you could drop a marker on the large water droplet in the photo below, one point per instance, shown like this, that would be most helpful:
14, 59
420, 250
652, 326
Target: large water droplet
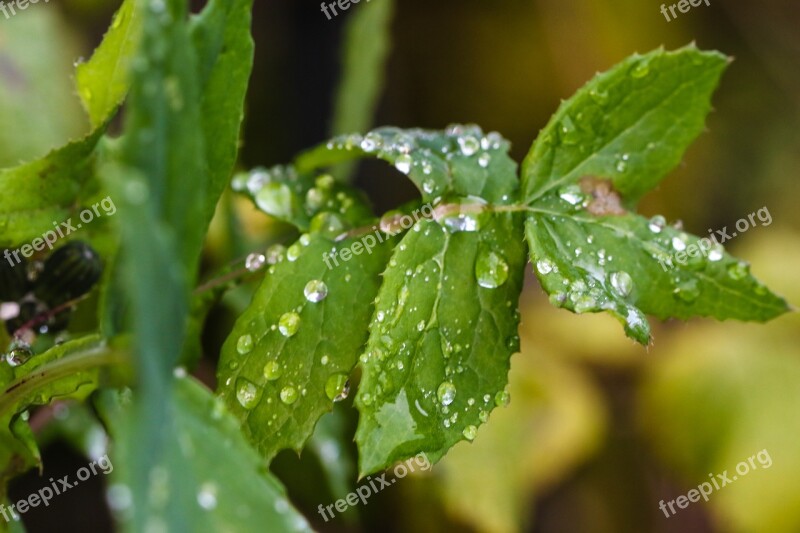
657, 224
446, 393
403, 163
484, 160
687, 290
276, 199
491, 270
572, 194
716, 253
272, 370
469, 145
622, 283
337, 387
502, 398
247, 393
255, 261
288, 395
544, 266
738, 271
207, 496
599, 97
470, 432
315, 291
275, 254
288, 324
641, 69
245, 344
19, 354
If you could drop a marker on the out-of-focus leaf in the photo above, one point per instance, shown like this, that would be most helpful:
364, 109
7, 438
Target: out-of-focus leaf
225, 485
291, 352
103, 81
462, 161
38, 110
365, 50
440, 343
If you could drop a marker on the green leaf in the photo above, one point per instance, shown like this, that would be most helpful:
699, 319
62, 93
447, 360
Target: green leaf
104, 80
445, 327
630, 125
211, 474
462, 161
45, 191
39, 110
290, 355
605, 147
365, 50
629, 265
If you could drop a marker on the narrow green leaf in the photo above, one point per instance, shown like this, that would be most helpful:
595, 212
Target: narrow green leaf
103, 81
365, 50
630, 125
462, 161
292, 351
629, 265
440, 342
210, 472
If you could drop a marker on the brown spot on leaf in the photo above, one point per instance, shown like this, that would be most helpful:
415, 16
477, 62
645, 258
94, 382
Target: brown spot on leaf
605, 199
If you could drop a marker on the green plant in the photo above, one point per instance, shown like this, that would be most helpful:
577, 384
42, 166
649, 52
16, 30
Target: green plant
429, 314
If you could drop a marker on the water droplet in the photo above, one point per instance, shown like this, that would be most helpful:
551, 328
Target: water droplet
276, 199
491, 270
247, 393
255, 262
289, 323
569, 133
337, 387
294, 252
371, 142
245, 344
484, 160
446, 393
470, 432
272, 371
622, 283
288, 395
461, 222
641, 69
275, 254
657, 224
502, 398
716, 253
544, 266
207, 496
687, 290
18, 354
738, 271
585, 303
403, 163
572, 194
421, 325
678, 244
469, 145
315, 291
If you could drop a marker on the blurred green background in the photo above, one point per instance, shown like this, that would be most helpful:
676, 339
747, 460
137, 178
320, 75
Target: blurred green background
599, 430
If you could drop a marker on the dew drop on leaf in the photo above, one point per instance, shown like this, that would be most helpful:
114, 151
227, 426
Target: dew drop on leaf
544, 266
468, 145
657, 224
403, 163
315, 291
687, 290
288, 324
247, 393
337, 388
716, 253
255, 261
738, 271
622, 283
19, 354
272, 370
245, 344
207, 496
502, 398
446, 393
275, 254
288, 395
491, 270
484, 160
470, 432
